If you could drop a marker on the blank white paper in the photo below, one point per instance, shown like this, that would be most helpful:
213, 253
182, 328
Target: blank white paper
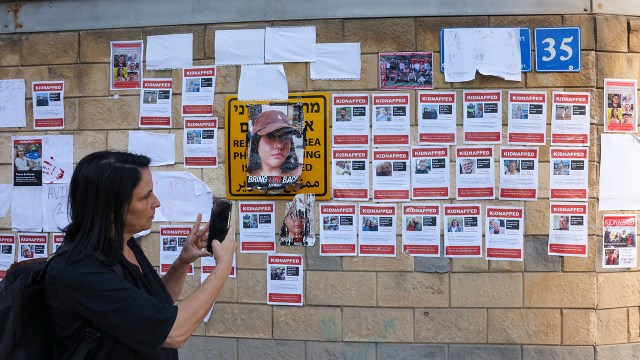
161, 148
263, 82
619, 171
491, 51
5, 198
12, 103
337, 61
290, 44
26, 208
182, 196
239, 47
169, 51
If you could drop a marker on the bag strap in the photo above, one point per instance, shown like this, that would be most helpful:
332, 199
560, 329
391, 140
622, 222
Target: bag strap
89, 338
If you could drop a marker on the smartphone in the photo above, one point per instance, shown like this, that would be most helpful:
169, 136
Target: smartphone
219, 221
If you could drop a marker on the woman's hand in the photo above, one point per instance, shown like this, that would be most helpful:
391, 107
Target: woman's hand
195, 245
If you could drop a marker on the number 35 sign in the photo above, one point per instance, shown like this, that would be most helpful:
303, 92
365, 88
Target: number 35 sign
558, 49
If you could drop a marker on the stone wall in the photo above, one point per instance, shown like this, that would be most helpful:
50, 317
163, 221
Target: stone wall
362, 307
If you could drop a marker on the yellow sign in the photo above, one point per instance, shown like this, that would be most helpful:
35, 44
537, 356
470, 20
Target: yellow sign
315, 172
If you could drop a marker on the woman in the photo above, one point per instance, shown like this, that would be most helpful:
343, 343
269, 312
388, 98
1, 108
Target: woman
21, 162
272, 151
614, 117
120, 74
367, 225
454, 226
295, 228
102, 279
411, 226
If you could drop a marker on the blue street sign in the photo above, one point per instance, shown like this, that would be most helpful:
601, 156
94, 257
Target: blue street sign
525, 49
558, 49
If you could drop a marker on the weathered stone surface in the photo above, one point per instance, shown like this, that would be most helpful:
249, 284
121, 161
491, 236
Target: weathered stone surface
87, 142
617, 352
450, 325
307, 323
419, 289
557, 352
106, 113
586, 23
559, 290
249, 349
28, 73
314, 261
240, 320
402, 262
252, 286
432, 265
625, 286
537, 221
585, 77
524, 326
37, 48
377, 324
207, 347
484, 352
575, 263
617, 66
341, 288
469, 265
612, 326
502, 266
578, 327
95, 44
10, 50
486, 290
634, 34
528, 21
611, 33
634, 324
412, 351
381, 35
340, 350
428, 29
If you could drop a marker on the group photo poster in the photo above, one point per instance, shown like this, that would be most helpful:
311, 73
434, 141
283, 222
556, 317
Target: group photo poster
519, 173
338, 229
421, 229
406, 70
620, 113
619, 245
570, 117
350, 174
527, 118
437, 117
391, 119
430, 176
351, 120
126, 64
482, 116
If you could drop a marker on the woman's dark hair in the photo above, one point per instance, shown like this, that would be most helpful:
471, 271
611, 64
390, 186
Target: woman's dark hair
290, 163
99, 196
284, 232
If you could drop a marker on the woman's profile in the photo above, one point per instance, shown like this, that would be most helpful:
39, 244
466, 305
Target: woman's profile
272, 149
101, 278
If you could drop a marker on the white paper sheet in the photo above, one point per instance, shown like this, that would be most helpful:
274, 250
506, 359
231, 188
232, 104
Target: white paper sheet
619, 192
55, 199
169, 51
161, 148
263, 82
239, 47
57, 159
337, 61
12, 103
182, 196
26, 208
491, 51
290, 44
5, 198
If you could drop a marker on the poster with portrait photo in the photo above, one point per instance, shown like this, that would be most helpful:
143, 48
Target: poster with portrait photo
48, 105
568, 229
351, 120
619, 243
200, 142
338, 229
570, 117
391, 175
172, 239
421, 229
58, 239
527, 118
298, 225
504, 233
569, 175
482, 117
126, 72
390, 125
406, 70
275, 151
285, 279
257, 226
462, 230
437, 117
32, 246
475, 177
518, 173
7, 253
620, 112
198, 90
377, 230
27, 160
430, 176
350, 174
155, 103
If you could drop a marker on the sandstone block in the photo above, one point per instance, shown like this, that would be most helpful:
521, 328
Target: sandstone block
252, 286
451, 325
29, 74
37, 48
340, 350
469, 265
377, 325
341, 288
87, 142
381, 35
486, 290
240, 320
537, 213
418, 289
313, 260
94, 80
207, 347
617, 66
634, 324
307, 323
108, 113
484, 352
10, 50
586, 23
578, 327
625, 286
528, 21
95, 44
585, 77
412, 351
524, 326
588, 263
432, 265
611, 33
250, 349
612, 326
634, 34
616, 352
557, 352
560, 290
251, 261
502, 266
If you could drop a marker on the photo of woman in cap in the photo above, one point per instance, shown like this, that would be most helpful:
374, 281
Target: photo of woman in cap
272, 150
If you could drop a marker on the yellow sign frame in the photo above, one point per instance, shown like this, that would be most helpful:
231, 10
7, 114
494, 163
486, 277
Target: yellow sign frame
315, 178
